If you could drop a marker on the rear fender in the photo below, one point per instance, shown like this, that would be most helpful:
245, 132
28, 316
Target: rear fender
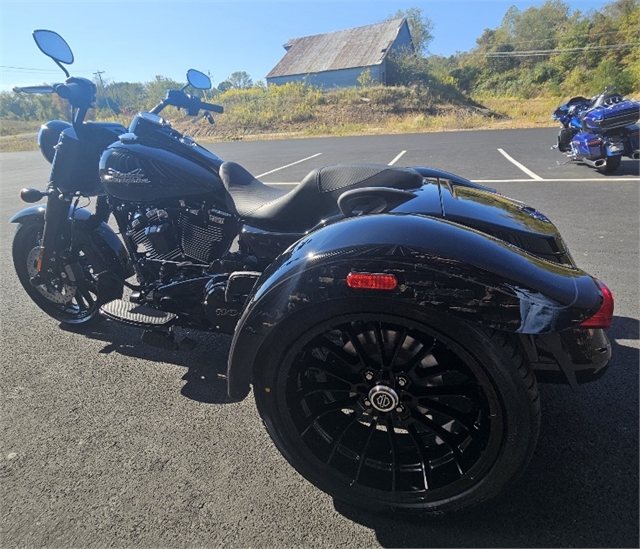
453, 179
101, 234
439, 266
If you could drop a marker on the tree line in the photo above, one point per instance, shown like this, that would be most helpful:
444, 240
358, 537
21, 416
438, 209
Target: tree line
546, 50
113, 98
540, 51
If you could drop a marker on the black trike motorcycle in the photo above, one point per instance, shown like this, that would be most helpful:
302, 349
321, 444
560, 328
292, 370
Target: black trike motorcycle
393, 322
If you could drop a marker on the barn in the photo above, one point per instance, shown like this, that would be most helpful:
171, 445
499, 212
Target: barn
337, 59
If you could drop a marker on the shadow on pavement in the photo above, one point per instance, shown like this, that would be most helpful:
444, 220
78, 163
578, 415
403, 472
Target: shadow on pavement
627, 167
206, 365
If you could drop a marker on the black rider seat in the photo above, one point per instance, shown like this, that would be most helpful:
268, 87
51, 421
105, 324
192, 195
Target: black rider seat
314, 199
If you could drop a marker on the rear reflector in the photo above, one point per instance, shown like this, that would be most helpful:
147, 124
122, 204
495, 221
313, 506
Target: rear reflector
603, 318
371, 281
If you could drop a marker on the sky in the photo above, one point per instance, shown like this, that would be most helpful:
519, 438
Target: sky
134, 41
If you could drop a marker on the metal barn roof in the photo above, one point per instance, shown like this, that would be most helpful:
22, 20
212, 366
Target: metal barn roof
345, 49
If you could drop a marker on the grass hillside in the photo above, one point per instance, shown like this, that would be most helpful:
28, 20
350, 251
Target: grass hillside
298, 110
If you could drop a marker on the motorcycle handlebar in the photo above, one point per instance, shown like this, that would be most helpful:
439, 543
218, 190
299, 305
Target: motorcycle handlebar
211, 107
181, 100
35, 89
80, 92
67, 91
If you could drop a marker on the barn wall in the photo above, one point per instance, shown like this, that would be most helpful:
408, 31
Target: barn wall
403, 40
345, 78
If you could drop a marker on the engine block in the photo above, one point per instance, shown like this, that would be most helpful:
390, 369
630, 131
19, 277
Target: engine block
181, 233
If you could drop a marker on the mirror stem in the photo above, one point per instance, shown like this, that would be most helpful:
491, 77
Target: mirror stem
66, 72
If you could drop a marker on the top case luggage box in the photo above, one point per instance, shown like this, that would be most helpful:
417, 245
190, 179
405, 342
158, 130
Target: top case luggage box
608, 117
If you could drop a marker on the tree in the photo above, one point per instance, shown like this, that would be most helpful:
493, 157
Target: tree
510, 20
365, 80
572, 45
408, 67
238, 80
541, 26
420, 26
157, 89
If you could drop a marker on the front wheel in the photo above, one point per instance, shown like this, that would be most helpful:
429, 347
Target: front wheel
71, 294
397, 412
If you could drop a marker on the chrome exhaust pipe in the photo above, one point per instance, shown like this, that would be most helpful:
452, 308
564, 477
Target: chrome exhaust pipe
595, 163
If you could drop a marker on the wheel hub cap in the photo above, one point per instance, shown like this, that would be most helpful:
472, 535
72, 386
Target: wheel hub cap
383, 398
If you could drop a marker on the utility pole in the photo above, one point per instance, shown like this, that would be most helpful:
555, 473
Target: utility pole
99, 75
204, 92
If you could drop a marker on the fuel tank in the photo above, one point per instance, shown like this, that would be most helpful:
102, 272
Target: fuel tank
137, 170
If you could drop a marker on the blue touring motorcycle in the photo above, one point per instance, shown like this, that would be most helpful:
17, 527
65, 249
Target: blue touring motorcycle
393, 322
599, 131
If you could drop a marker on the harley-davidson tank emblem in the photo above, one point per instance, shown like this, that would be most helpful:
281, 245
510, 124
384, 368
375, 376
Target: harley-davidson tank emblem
136, 177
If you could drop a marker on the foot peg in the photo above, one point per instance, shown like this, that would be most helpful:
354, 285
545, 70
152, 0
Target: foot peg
136, 315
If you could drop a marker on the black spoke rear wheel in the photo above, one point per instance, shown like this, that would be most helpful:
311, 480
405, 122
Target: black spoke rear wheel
387, 412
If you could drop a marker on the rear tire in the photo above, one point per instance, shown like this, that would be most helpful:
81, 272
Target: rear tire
391, 410
72, 296
612, 163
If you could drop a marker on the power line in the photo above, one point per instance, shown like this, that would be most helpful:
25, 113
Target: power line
589, 35
7, 68
532, 53
16, 69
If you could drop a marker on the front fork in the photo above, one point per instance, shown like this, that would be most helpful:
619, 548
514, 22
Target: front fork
55, 237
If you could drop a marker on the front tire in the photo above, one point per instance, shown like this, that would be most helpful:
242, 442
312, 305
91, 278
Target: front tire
72, 295
394, 411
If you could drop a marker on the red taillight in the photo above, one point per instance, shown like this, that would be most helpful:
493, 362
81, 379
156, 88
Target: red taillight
371, 281
603, 318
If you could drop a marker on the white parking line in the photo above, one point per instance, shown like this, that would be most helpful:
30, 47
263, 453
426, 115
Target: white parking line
523, 168
396, 158
581, 180
288, 165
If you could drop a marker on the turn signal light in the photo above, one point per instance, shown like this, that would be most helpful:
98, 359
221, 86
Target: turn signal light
602, 319
31, 195
371, 281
